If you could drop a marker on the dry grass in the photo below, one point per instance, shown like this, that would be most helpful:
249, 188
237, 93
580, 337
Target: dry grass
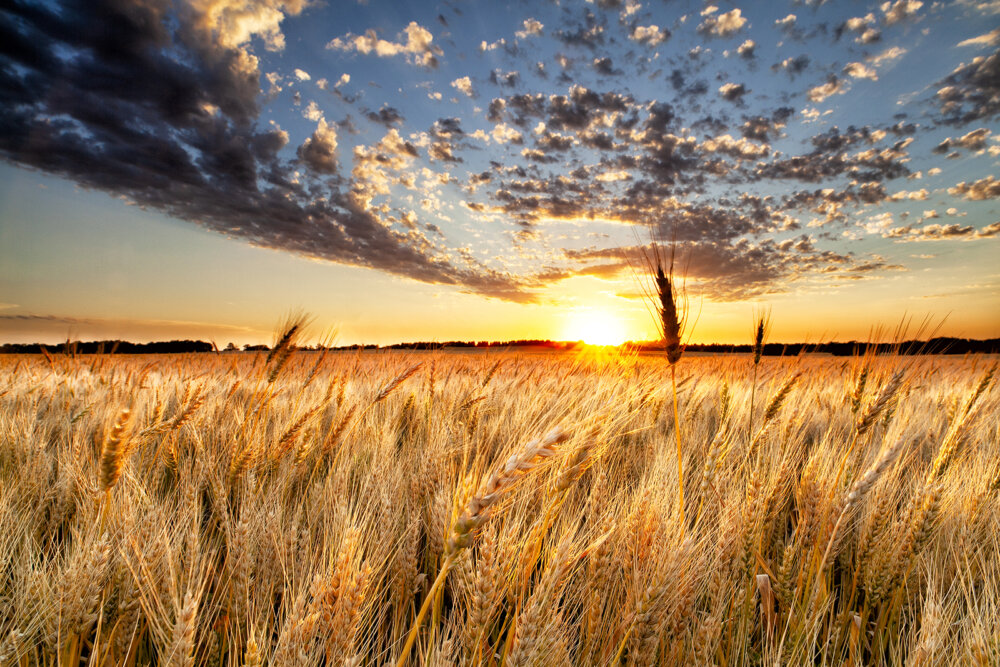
308, 508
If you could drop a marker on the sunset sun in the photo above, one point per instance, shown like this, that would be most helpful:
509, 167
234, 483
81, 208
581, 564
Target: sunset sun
596, 327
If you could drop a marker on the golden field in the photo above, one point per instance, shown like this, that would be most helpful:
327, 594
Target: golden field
506, 508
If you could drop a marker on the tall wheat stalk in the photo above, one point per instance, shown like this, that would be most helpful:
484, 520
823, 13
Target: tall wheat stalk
670, 321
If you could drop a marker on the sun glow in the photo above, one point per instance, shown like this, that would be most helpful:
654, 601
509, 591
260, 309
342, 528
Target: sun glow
595, 327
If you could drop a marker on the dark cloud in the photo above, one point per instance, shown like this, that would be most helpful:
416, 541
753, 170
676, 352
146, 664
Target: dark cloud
504, 79
161, 107
605, 67
831, 157
589, 33
971, 92
764, 130
973, 141
733, 92
319, 152
736, 270
792, 66
387, 116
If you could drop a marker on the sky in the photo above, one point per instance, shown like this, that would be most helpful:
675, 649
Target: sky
491, 171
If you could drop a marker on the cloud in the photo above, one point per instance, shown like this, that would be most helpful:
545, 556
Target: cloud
589, 33
301, 75
503, 133
233, 24
973, 141
786, 23
991, 38
605, 67
986, 7
860, 71
30, 327
762, 129
464, 85
932, 232
530, 28
913, 195
732, 92
985, 188
723, 25
990, 230
313, 112
650, 35
169, 119
900, 10
971, 92
737, 270
887, 56
418, 48
740, 149
862, 26
834, 86
387, 116
793, 66
319, 151
746, 49
504, 79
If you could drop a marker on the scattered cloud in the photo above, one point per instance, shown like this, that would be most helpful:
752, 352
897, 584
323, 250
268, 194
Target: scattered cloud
985, 188
971, 92
889, 55
418, 47
973, 141
722, 25
650, 34
529, 28
569, 135
900, 10
834, 86
860, 71
464, 85
732, 92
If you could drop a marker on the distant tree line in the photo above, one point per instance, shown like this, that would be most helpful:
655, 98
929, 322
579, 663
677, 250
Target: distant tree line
109, 347
940, 345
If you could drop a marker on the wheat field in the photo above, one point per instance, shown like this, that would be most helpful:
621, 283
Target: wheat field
504, 508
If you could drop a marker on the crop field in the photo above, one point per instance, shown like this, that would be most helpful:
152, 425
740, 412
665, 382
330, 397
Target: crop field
504, 508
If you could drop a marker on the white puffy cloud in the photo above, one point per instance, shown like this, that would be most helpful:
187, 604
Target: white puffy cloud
313, 112
418, 48
464, 85
899, 10
786, 22
233, 23
503, 133
530, 28
648, 34
723, 25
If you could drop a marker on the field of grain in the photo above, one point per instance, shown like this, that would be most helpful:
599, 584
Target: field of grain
498, 509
